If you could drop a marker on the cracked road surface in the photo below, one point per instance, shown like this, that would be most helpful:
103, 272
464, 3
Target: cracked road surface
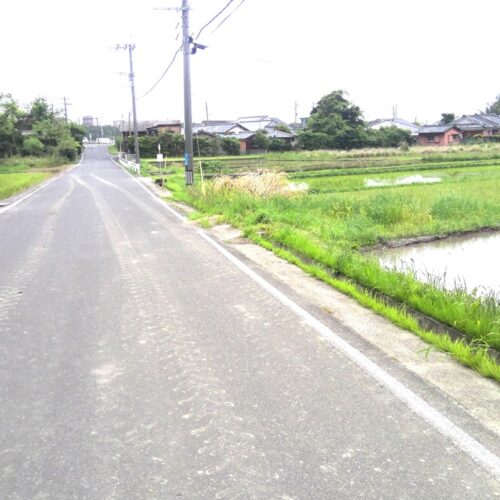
137, 362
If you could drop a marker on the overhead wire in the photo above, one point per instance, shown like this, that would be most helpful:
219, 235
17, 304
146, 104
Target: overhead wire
213, 19
218, 14
163, 74
227, 17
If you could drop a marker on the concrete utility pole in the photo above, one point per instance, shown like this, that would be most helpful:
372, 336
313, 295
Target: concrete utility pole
188, 119
130, 47
66, 104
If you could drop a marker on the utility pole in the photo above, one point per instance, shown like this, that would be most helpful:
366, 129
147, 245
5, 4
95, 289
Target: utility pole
130, 47
206, 109
66, 104
296, 112
188, 118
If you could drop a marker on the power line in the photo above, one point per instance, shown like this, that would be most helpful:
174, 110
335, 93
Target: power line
163, 74
227, 17
213, 19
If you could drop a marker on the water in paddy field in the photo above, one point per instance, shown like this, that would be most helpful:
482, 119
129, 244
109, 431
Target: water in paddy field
471, 262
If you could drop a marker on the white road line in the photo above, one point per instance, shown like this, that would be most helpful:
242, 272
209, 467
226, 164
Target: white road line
473, 448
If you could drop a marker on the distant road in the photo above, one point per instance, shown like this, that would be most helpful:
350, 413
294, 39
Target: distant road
138, 362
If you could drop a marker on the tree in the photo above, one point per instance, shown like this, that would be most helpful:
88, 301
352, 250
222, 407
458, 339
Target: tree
494, 107
77, 132
67, 147
335, 123
32, 146
283, 128
230, 146
10, 132
447, 118
388, 137
261, 140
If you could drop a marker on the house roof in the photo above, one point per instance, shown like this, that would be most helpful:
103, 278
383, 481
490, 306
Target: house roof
477, 122
278, 134
220, 128
435, 129
271, 133
259, 122
144, 125
394, 122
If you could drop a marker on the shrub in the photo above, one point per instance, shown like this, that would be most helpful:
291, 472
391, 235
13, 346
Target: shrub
32, 146
230, 146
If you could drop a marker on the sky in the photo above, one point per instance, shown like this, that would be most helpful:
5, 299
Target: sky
270, 57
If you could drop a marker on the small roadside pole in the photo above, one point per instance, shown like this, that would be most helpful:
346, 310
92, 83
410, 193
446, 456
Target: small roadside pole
162, 164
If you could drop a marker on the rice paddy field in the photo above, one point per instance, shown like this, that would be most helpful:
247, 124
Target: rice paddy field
343, 205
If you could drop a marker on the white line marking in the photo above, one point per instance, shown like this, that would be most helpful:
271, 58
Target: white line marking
446, 427
156, 198
473, 448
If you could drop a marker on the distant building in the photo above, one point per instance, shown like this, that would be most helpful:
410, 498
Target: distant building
439, 135
259, 122
151, 127
394, 122
219, 128
482, 125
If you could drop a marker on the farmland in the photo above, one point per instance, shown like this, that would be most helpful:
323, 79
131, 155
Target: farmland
361, 200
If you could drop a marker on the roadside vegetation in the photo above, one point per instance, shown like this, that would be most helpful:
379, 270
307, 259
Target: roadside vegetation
34, 144
350, 208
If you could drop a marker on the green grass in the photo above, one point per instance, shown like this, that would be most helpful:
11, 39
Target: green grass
13, 183
20, 173
329, 230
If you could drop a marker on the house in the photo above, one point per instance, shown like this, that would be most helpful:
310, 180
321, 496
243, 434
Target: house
247, 139
151, 127
221, 129
484, 125
394, 122
259, 122
439, 135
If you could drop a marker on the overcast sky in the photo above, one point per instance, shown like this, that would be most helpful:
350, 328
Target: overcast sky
426, 57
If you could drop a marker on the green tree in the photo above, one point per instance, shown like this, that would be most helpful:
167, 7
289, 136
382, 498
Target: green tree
32, 146
283, 128
279, 145
67, 147
494, 107
77, 132
261, 140
206, 146
388, 137
230, 146
447, 118
10, 131
335, 123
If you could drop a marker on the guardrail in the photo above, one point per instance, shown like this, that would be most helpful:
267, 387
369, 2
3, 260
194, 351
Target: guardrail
129, 161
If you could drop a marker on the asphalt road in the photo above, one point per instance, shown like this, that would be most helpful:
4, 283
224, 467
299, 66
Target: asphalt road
138, 362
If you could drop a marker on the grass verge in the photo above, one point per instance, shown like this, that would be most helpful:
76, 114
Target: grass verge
11, 184
335, 222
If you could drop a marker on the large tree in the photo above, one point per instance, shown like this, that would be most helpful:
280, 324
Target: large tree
10, 133
335, 123
494, 107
